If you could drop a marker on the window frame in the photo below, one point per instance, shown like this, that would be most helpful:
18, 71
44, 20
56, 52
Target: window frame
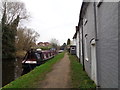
99, 3
72, 48
86, 51
85, 21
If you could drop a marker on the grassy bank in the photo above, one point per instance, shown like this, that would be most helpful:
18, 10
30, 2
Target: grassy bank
31, 79
79, 78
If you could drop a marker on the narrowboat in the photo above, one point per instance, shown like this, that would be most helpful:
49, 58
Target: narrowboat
34, 58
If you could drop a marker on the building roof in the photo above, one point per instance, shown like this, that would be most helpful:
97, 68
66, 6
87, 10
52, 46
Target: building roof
82, 12
75, 35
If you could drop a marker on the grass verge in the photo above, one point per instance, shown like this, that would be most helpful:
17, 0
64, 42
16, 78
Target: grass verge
30, 80
79, 78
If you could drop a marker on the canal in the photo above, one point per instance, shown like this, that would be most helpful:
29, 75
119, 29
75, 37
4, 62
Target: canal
11, 70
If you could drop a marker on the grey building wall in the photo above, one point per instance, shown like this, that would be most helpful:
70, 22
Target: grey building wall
119, 45
107, 45
81, 53
77, 45
88, 29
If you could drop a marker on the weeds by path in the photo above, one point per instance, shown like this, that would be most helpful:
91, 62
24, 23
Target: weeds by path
79, 78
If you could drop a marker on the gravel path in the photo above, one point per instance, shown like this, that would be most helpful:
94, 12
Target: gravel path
59, 77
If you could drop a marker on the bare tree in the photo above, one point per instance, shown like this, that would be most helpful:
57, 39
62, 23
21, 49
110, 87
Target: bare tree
26, 38
12, 10
12, 14
54, 42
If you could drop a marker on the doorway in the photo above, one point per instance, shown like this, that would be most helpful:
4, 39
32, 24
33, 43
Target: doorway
93, 61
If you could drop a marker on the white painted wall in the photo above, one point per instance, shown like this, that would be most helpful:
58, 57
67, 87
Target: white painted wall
77, 45
74, 42
81, 53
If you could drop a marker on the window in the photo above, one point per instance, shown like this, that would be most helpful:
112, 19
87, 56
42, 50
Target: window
37, 55
45, 56
85, 21
86, 51
99, 3
72, 48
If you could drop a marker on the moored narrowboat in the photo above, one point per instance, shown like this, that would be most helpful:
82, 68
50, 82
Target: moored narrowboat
34, 58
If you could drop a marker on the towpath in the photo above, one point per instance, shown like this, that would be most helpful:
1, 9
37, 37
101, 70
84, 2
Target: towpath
59, 77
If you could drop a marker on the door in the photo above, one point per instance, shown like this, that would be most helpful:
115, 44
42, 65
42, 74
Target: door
93, 61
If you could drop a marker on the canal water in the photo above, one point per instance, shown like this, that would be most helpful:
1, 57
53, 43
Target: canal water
11, 70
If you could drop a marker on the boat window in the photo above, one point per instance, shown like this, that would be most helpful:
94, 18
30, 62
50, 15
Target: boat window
31, 56
38, 55
45, 56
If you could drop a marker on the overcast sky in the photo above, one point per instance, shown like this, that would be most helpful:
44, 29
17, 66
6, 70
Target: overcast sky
53, 18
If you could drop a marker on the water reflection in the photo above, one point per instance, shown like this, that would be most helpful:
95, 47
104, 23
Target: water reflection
11, 70
18, 68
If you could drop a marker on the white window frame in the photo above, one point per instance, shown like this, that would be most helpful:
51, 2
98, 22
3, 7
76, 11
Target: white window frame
72, 48
85, 21
86, 51
99, 3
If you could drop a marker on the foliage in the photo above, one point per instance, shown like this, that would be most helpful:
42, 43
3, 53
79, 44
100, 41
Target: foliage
68, 41
45, 48
54, 42
79, 78
12, 14
31, 79
20, 53
63, 47
8, 49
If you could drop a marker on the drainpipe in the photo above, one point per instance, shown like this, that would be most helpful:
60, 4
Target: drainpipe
96, 39
82, 46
